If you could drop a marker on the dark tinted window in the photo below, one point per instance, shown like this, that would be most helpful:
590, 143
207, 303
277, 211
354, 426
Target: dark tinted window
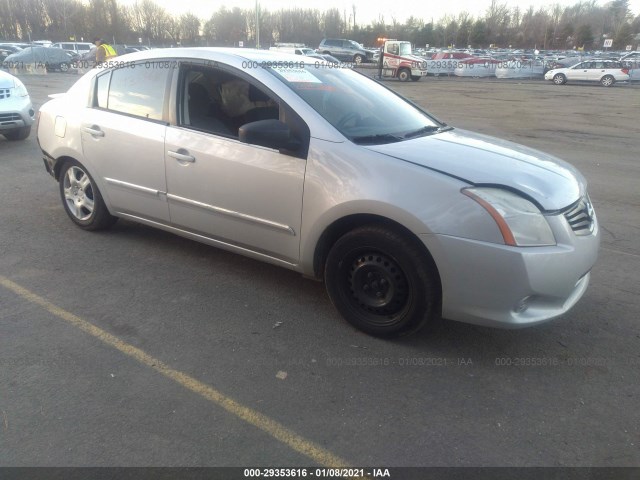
219, 102
139, 90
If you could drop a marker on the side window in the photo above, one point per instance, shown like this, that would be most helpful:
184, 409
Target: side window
216, 101
102, 90
138, 90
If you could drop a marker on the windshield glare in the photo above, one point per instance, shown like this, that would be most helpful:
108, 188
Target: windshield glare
405, 49
358, 107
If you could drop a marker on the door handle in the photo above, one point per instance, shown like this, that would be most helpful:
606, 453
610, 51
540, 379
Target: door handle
182, 157
93, 130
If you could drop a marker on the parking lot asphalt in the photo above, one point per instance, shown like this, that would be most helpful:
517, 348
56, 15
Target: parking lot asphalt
134, 347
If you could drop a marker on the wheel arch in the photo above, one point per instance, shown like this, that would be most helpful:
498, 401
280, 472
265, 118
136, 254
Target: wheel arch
350, 222
60, 161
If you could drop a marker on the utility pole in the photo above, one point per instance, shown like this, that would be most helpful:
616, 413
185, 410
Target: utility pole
257, 25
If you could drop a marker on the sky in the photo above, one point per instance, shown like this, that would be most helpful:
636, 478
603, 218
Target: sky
369, 10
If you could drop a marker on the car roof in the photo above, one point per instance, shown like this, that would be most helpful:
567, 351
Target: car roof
232, 55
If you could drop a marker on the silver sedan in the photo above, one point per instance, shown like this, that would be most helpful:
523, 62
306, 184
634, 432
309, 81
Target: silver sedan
326, 172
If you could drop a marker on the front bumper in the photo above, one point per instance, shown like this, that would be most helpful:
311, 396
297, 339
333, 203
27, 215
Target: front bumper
16, 113
511, 287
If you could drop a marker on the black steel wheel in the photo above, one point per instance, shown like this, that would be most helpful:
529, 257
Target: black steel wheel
380, 282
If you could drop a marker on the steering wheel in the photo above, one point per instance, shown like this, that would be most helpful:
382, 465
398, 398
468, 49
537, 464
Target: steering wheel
348, 117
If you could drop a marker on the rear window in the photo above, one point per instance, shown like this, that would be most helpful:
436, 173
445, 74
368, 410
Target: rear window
136, 90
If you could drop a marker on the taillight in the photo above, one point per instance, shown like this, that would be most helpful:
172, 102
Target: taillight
625, 71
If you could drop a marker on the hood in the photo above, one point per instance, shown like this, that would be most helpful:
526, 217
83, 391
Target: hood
482, 160
6, 80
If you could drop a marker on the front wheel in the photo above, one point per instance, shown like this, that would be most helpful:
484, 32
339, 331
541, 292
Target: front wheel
81, 198
381, 282
559, 79
404, 75
64, 67
358, 59
607, 81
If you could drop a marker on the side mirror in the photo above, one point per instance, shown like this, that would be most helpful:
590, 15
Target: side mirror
268, 133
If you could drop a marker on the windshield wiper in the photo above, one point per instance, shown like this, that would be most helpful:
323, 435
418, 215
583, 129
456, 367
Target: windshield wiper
427, 129
377, 139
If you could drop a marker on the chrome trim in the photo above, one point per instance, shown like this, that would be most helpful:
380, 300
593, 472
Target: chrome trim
211, 241
580, 216
231, 213
131, 186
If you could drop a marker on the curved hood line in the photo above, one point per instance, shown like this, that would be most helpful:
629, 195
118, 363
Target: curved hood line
482, 160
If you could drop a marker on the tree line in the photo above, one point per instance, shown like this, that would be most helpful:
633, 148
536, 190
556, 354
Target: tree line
583, 25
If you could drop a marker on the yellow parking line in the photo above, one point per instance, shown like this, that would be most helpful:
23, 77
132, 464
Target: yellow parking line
271, 427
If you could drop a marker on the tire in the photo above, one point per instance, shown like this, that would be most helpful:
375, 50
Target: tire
81, 198
64, 67
559, 79
415, 78
607, 81
17, 133
404, 75
358, 59
381, 282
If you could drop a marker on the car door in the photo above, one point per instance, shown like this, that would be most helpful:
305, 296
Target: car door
123, 135
242, 195
579, 71
596, 71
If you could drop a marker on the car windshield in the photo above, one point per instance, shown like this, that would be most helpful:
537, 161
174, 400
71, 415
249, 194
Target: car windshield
361, 109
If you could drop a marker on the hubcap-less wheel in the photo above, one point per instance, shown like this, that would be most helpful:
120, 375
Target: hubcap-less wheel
404, 75
78, 193
377, 285
381, 281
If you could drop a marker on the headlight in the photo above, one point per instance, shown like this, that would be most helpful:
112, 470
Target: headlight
19, 89
520, 222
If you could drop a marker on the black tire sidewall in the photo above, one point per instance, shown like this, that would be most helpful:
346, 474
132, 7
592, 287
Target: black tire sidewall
421, 301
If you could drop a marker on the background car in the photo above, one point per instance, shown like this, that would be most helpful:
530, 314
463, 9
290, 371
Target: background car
50, 58
325, 57
346, 50
328, 173
16, 111
74, 47
606, 72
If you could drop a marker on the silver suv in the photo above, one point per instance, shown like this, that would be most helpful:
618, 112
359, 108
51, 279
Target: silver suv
346, 50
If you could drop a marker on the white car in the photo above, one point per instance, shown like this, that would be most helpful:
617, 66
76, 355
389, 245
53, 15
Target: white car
16, 111
326, 172
607, 72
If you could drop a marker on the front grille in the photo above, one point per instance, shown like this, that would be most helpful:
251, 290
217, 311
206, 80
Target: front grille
581, 216
5, 93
